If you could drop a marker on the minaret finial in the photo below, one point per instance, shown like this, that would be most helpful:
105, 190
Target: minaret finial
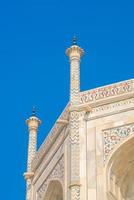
34, 111
74, 40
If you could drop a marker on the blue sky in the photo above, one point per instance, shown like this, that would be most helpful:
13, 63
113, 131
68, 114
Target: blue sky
34, 70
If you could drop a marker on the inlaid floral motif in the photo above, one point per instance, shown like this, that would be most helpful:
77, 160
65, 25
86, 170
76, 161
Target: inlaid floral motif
107, 91
115, 135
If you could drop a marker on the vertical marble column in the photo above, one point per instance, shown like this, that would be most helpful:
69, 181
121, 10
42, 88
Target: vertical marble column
74, 53
33, 123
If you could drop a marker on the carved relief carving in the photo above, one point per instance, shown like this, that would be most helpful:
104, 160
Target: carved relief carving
75, 193
114, 136
28, 189
56, 173
31, 149
75, 82
109, 108
74, 141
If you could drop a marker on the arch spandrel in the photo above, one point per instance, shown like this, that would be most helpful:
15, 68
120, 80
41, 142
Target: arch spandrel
114, 137
56, 176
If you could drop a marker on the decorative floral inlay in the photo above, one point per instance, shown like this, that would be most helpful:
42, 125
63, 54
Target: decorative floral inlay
115, 135
107, 91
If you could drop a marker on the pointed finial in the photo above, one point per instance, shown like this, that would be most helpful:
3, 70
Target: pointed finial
74, 40
34, 111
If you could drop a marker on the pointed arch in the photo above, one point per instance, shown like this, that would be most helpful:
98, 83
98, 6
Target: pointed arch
119, 171
54, 191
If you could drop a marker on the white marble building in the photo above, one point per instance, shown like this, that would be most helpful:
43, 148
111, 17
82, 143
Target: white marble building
89, 152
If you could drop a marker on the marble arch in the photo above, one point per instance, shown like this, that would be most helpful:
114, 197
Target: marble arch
120, 171
54, 191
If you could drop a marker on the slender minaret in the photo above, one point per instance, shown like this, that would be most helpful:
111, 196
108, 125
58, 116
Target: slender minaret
33, 123
74, 53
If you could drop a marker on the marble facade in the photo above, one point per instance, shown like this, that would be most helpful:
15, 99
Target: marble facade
88, 154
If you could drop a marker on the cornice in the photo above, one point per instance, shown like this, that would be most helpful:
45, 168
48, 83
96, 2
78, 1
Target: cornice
56, 150
51, 138
110, 109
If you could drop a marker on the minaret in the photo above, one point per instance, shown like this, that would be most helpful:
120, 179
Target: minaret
33, 123
74, 53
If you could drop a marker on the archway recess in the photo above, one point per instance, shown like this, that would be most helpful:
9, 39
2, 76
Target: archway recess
54, 191
120, 172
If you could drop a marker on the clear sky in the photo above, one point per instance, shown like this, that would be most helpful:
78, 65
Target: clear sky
34, 70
